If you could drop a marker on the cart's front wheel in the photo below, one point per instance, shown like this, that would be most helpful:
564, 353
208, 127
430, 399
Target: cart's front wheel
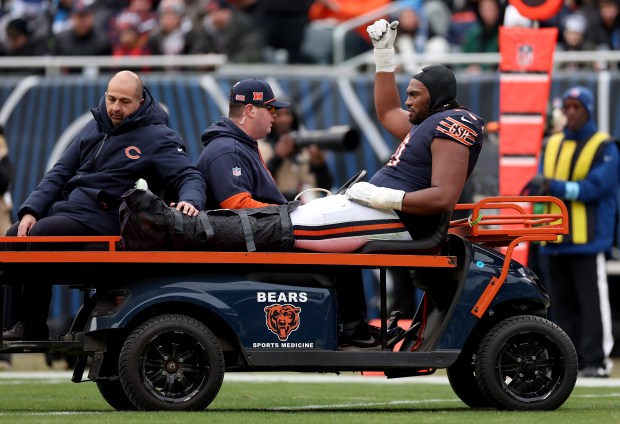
462, 378
113, 393
171, 362
526, 363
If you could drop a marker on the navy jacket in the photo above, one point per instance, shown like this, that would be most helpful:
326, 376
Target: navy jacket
231, 164
105, 161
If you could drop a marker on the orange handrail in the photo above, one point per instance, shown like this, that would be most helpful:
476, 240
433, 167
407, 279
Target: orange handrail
486, 227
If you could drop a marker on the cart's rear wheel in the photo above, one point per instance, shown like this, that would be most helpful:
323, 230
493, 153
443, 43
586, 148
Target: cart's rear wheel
171, 362
526, 363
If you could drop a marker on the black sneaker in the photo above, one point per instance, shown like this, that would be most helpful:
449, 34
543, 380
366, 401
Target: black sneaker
20, 332
393, 335
368, 337
593, 371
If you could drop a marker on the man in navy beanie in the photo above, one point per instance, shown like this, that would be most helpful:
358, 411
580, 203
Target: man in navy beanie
580, 166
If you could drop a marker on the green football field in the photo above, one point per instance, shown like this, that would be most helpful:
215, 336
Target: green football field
50, 397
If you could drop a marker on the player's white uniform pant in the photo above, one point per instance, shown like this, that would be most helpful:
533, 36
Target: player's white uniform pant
336, 224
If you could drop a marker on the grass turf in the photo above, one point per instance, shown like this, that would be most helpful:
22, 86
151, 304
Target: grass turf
58, 400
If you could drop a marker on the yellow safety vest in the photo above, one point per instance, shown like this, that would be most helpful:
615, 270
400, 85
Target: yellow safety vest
568, 160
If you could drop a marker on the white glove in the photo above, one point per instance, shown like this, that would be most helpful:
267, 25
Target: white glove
376, 197
382, 35
141, 184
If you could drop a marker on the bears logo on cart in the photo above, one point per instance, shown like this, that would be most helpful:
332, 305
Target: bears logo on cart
282, 320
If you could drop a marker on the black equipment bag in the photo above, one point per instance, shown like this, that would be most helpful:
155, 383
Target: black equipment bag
148, 223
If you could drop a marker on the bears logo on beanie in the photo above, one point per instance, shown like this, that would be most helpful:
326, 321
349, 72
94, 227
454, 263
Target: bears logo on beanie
441, 85
585, 97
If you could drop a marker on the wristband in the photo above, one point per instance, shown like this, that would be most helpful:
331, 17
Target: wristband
384, 60
386, 198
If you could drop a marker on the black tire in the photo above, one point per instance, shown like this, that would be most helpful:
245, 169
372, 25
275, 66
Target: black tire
171, 362
526, 363
109, 384
113, 393
462, 378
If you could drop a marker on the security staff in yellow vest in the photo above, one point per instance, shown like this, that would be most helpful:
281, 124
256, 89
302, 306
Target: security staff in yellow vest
580, 165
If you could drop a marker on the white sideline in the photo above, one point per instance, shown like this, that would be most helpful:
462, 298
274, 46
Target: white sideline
12, 377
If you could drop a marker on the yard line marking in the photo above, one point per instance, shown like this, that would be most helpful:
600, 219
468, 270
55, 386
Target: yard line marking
16, 413
361, 404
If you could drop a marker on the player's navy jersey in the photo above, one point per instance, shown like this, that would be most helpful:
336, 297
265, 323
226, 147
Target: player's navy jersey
410, 167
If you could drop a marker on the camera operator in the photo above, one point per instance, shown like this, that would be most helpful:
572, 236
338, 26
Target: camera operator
294, 169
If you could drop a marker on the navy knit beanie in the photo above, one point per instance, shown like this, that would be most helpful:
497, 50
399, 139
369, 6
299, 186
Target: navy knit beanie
585, 97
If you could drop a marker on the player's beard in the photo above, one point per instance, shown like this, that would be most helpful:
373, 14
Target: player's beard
416, 118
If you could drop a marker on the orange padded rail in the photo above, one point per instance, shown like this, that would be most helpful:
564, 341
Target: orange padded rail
364, 260
486, 225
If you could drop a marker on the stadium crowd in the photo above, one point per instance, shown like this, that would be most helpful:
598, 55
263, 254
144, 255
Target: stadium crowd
283, 31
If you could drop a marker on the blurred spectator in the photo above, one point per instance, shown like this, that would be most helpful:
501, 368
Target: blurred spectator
462, 19
284, 23
60, 15
483, 37
145, 11
129, 41
293, 169
22, 42
413, 39
84, 38
573, 39
438, 15
412, 31
170, 37
29, 10
603, 25
338, 11
224, 29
